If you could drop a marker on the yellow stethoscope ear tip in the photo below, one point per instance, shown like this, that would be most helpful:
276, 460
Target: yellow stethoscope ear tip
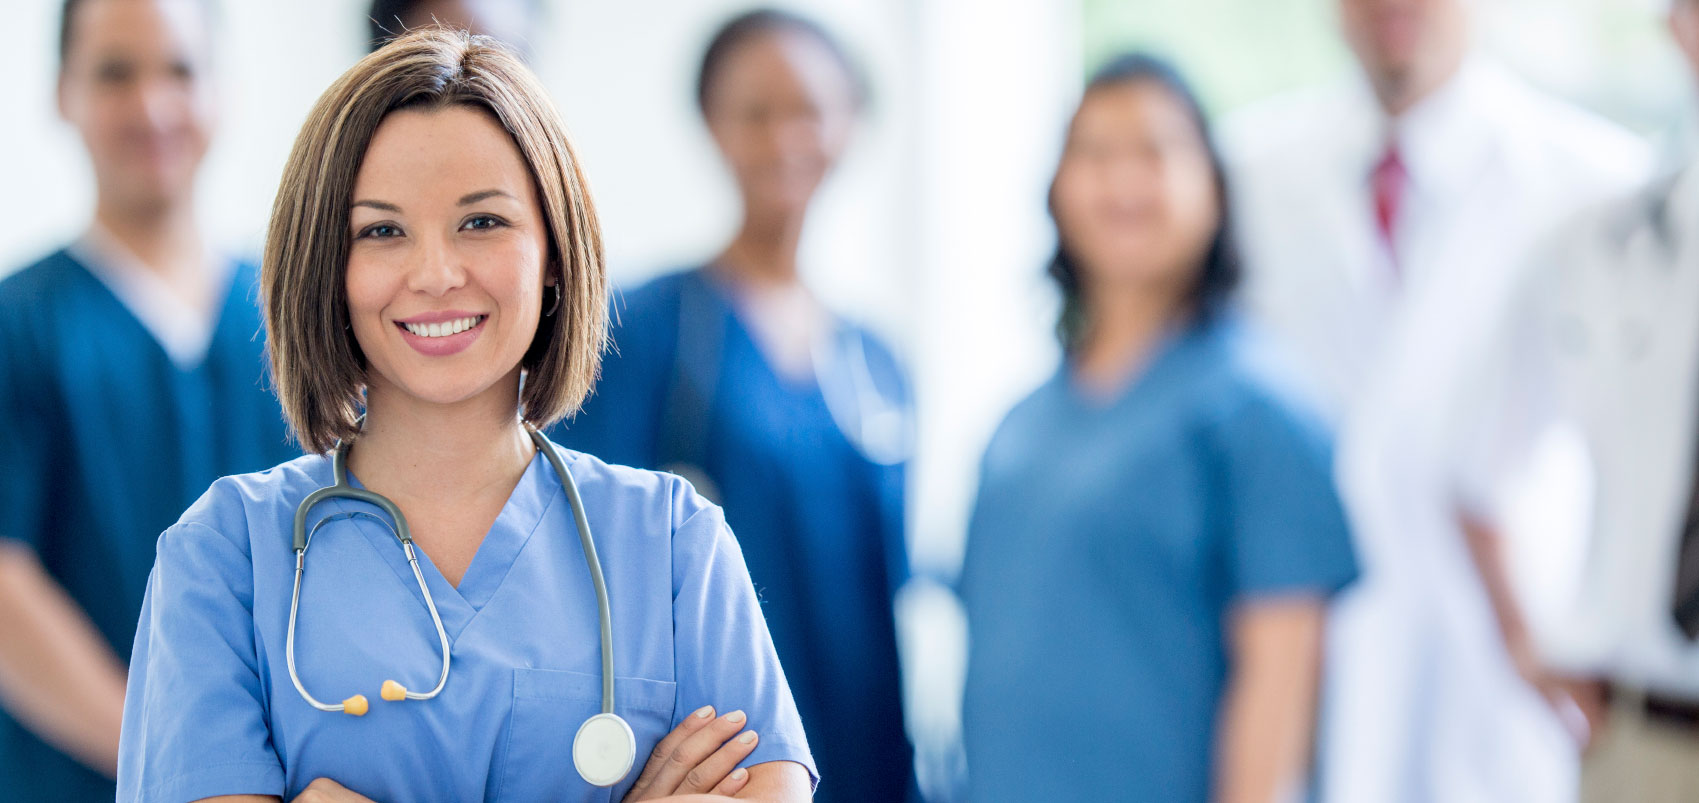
393, 691
355, 705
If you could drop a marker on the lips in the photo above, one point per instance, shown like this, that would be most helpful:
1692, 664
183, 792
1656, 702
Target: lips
441, 335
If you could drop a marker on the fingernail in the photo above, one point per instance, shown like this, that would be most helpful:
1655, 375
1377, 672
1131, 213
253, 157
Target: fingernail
704, 712
739, 774
734, 717
747, 737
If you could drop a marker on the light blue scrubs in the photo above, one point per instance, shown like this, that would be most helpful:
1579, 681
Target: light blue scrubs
1110, 542
211, 709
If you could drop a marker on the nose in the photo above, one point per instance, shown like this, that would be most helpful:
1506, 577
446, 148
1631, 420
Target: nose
436, 269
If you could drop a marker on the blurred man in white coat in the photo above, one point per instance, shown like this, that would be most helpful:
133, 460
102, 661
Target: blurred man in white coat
1383, 220
1600, 349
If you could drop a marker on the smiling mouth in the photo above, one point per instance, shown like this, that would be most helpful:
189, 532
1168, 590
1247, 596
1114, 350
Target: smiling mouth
443, 329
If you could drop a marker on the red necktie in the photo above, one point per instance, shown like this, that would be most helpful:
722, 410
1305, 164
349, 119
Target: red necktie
1387, 181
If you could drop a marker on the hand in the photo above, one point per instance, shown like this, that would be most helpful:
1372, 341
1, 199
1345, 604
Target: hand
700, 756
325, 790
1578, 702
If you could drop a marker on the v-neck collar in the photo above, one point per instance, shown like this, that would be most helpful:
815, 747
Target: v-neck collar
520, 517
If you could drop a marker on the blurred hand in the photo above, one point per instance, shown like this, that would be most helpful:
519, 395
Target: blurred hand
700, 756
1578, 702
325, 790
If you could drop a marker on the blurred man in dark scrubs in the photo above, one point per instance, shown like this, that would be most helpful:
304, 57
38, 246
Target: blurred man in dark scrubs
136, 334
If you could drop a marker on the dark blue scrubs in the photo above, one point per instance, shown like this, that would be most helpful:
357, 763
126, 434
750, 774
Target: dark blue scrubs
104, 442
821, 526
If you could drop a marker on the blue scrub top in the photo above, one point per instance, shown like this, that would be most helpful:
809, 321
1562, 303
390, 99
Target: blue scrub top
821, 525
104, 441
211, 709
1108, 545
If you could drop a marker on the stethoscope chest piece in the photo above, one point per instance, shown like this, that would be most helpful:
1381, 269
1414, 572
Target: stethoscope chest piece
604, 750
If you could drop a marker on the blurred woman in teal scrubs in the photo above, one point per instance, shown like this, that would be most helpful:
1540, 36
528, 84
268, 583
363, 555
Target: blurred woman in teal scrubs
1156, 537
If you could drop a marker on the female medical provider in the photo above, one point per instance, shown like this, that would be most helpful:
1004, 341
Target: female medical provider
1156, 534
736, 377
434, 247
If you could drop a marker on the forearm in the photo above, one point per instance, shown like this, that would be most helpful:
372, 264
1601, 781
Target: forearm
1268, 711
57, 675
769, 782
1486, 550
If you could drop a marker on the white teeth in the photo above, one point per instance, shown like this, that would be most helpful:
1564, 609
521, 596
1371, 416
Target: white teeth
445, 328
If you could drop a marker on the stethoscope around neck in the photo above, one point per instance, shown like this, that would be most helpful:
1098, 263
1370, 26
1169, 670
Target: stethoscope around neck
604, 748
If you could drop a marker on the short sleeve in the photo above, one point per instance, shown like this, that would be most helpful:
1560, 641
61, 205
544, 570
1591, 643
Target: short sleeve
25, 461
724, 654
1286, 528
195, 722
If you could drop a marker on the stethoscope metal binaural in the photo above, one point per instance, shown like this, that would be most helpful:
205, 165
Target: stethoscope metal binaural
604, 748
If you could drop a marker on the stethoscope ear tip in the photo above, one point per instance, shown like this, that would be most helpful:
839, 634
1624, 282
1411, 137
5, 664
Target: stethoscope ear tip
355, 706
393, 691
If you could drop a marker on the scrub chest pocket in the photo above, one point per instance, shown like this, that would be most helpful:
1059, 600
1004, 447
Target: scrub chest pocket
548, 707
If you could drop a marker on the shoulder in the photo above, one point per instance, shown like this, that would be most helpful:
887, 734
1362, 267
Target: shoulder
1560, 139
232, 505
1248, 383
629, 494
1028, 425
39, 280
651, 300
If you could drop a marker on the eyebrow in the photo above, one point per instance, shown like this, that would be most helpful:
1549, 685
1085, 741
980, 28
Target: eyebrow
480, 195
465, 200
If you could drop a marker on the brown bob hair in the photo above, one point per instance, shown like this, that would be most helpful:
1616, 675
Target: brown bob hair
317, 368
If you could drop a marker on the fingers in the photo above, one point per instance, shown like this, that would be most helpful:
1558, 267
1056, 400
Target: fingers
698, 748
657, 759
717, 770
733, 783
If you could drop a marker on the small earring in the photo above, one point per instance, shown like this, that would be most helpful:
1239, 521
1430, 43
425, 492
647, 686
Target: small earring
555, 306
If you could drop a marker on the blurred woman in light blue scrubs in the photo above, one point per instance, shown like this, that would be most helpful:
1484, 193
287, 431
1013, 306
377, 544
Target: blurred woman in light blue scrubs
434, 262
1156, 536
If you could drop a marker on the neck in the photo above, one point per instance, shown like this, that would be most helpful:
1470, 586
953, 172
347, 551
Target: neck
163, 236
764, 250
1125, 325
1400, 93
414, 449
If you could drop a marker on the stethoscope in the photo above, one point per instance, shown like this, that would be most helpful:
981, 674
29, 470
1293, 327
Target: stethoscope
604, 748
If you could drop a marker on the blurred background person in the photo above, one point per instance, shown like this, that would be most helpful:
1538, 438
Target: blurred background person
736, 376
1382, 220
130, 378
1157, 535
511, 21
1600, 349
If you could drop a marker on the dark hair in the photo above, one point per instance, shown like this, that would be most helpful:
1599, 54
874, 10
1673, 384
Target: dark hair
386, 20
68, 15
759, 22
1220, 272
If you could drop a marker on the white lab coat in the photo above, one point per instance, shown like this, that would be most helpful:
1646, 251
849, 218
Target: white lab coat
1420, 702
1602, 349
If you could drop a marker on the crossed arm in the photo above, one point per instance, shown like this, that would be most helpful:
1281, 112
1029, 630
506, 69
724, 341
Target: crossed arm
695, 763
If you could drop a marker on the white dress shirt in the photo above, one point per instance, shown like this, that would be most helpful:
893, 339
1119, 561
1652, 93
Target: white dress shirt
1421, 702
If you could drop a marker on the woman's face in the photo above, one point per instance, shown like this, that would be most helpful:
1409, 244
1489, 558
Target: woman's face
1135, 198
446, 266
780, 108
